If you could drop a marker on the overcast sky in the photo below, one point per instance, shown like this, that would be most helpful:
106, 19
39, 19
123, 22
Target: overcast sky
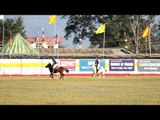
36, 24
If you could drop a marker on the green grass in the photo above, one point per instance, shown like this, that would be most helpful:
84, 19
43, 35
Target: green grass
113, 90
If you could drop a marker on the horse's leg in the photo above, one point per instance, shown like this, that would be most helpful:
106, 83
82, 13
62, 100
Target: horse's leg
103, 75
52, 76
61, 75
100, 75
93, 75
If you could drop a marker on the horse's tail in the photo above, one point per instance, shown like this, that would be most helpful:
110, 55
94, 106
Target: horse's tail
67, 70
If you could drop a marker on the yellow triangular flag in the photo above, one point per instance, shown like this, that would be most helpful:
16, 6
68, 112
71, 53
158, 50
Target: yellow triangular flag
52, 19
146, 32
101, 29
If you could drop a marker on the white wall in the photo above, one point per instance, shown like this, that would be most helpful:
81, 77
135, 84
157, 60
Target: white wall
37, 66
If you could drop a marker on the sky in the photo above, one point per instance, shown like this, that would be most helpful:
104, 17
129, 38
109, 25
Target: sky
36, 24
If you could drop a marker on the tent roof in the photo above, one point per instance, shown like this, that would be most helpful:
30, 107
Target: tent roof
19, 45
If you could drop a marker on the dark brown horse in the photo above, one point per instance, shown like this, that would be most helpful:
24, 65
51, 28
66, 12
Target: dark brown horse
59, 69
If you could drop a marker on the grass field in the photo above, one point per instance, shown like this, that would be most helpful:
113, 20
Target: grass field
113, 90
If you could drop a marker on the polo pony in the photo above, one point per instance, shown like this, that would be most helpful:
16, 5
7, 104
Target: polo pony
60, 69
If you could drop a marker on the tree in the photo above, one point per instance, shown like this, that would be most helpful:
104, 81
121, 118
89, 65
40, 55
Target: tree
75, 41
137, 24
118, 28
19, 27
15, 26
88, 24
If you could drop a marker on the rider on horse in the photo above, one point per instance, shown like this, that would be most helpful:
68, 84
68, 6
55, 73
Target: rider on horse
55, 65
97, 64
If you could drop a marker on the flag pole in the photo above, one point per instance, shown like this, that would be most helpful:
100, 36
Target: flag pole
38, 49
146, 45
102, 29
38, 46
149, 37
103, 44
3, 40
146, 33
3, 37
56, 34
149, 45
52, 20
9, 44
58, 46
10, 62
